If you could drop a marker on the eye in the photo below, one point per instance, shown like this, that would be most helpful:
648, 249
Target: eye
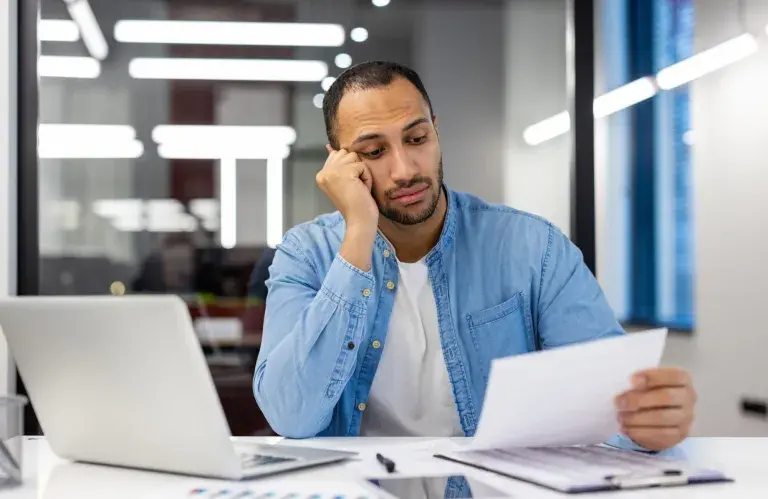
376, 153
418, 140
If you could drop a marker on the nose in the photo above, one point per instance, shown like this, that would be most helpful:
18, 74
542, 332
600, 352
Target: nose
402, 168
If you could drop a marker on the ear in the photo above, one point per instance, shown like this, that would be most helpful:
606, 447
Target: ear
328, 148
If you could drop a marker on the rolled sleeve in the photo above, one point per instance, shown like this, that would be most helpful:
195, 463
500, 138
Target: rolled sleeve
348, 286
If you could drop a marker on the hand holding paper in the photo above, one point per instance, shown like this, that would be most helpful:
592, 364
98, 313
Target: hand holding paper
658, 411
563, 396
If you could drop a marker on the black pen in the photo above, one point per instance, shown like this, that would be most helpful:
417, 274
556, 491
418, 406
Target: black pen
387, 463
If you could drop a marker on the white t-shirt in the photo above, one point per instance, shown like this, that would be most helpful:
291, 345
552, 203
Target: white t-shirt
411, 394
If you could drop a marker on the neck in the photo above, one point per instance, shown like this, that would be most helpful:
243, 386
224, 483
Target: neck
413, 242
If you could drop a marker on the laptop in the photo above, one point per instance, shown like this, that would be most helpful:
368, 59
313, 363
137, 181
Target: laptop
123, 381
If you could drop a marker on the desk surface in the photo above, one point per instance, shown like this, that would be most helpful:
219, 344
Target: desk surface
47, 477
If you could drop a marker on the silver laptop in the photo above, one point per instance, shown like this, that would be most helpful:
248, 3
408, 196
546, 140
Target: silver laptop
123, 381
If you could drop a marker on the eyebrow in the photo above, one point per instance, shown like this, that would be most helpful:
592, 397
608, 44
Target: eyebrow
371, 136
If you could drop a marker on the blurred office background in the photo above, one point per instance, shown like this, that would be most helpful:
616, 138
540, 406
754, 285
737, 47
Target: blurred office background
176, 147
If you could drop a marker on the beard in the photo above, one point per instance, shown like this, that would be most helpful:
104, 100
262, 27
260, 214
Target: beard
407, 218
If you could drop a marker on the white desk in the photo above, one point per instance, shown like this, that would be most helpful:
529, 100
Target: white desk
47, 477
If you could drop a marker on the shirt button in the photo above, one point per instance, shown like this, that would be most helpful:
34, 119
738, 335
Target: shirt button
366, 292
390, 285
376, 344
361, 406
386, 253
351, 345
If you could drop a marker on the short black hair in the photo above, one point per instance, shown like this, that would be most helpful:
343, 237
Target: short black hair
366, 76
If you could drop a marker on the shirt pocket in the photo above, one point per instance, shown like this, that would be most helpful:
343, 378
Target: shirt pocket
500, 331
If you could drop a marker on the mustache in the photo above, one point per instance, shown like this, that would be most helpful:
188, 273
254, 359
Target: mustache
406, 184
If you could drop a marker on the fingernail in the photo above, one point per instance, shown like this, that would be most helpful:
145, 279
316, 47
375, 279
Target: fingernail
638, 381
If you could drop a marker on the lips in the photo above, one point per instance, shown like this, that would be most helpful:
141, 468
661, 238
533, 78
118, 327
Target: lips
410, 191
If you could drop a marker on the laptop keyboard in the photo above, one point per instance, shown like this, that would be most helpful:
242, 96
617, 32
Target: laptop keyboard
250, 461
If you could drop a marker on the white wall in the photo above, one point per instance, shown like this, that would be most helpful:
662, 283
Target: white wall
728, 352
7, 174
536, 179
459, 53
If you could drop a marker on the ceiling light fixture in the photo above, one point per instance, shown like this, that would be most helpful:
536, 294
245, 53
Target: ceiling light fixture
624, 97
317, 100
218, 134
547, 129
90, 32
274, 201
228, 202
359, 35
707, 61
71, 132
57, 30
213, 151
68, 140
380, 3
343, 61
230, 33
327, 82
60, 66
227, 69
90, 150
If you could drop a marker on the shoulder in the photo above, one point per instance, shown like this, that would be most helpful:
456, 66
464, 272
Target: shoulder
504, 220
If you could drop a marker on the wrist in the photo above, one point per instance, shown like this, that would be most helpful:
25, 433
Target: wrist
357, 248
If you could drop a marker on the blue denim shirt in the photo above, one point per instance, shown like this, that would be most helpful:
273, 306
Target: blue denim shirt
505, 283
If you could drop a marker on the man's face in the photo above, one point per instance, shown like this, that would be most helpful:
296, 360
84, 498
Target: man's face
391, 130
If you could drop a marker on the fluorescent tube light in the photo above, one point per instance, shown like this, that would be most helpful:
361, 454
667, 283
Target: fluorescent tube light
224, 135
624, 97
548, 129
59, 66
707, 61
380, 3
93, 38
90, 150
57, 30
274, 201
230, 33
227, 69
228, 202
69, 132
214, 151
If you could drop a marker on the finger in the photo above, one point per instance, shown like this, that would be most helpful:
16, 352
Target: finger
656, 438
665, 376
654, 399
656, 417
366, 177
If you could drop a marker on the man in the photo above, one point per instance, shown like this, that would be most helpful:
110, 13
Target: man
383, 318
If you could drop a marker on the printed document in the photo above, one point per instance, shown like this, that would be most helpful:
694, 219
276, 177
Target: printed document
563, 396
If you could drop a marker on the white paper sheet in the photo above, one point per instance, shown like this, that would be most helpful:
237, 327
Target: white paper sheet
563, 396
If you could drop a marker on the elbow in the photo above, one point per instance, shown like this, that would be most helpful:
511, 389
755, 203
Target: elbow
286, 416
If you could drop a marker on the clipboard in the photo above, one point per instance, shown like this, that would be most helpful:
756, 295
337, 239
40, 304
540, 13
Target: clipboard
582, 469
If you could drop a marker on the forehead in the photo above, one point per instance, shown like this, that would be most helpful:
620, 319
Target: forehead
376, 109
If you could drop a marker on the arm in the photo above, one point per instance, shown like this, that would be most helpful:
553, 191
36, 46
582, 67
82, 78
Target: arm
572, 308
657, 412
304, 362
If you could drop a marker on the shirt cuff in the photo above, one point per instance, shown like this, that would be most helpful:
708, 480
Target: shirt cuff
623, 442
347, 285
